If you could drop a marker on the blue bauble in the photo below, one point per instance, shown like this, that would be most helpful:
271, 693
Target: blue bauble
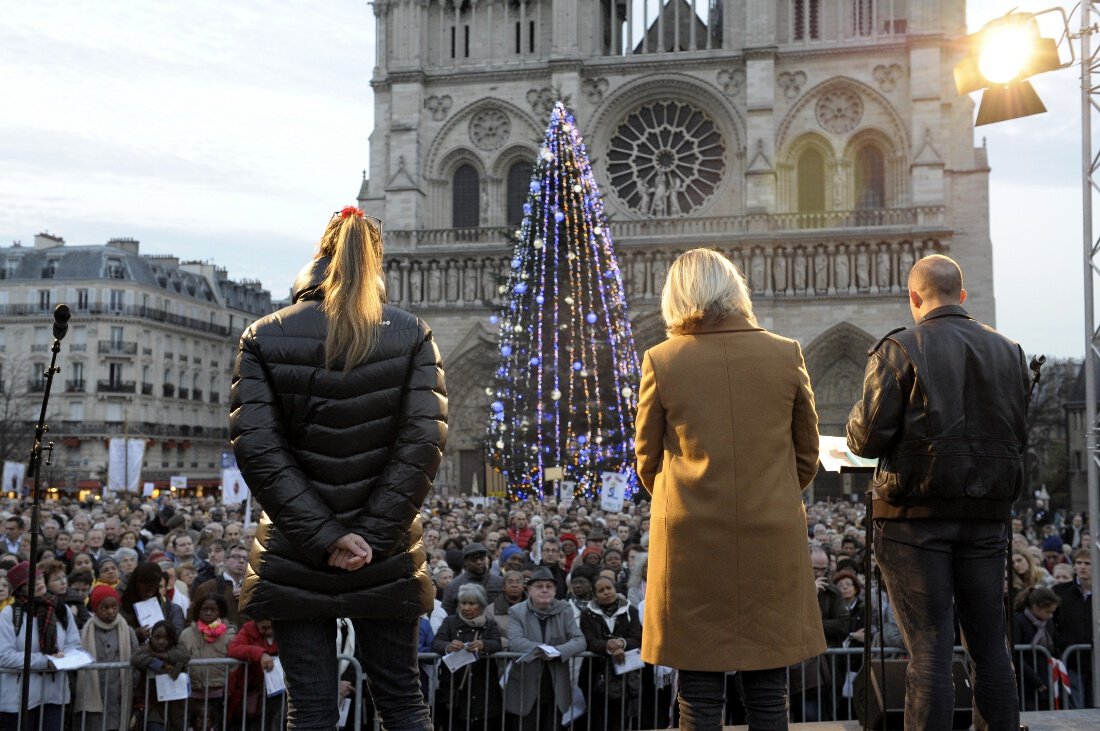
497, 406
506, 350
559, 216
521, 287
527, 209
494, 319
577, 365
534, 361
540, 299
534, 186
591, 318
516, 263
582, 439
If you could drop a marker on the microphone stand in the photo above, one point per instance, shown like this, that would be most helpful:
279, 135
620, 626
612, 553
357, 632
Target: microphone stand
61, 318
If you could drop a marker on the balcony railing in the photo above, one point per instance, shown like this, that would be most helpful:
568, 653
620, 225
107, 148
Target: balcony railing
196, 394
146, 389
146, 313
39, 348
145, 429
214, 397
117, 347
168, 390
78, 347
116, 387
183, 394
76, 386
36, 385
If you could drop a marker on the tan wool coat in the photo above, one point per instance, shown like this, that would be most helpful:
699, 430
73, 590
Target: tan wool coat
726, 441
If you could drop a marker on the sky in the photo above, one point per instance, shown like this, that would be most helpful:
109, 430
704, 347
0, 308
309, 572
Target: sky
229, 132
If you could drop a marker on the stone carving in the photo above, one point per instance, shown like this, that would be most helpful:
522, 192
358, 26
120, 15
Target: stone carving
882, 267
906, 258
863, 268
416, 283
658, 271
839, 110
791, 82
638, 276
594, 89
799, 270
840, 269
658, 177
452, 281
779, 270
541, 101
821, 269
469, 282
439, 106
490, 129
887, 77
393, 282
732, 81
757, 281
435, 282
488, 280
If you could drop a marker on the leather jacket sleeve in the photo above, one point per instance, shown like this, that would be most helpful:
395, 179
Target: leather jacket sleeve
417, 452
273, 475
876, 421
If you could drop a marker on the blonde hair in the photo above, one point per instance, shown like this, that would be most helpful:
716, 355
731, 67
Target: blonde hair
353, 289
703, 286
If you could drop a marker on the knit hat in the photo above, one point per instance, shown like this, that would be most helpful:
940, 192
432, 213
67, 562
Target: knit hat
510, 551
568, 537
101, 592
19, 575
1052, 543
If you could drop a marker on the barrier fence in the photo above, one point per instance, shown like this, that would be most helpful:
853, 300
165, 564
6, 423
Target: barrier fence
822, 689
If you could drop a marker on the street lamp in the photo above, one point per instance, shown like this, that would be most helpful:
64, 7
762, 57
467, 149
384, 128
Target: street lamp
1000, 58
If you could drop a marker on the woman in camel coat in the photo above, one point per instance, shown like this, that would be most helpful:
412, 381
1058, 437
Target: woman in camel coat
726, 440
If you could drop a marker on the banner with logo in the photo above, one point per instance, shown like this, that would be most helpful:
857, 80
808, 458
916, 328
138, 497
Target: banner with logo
15, 474
234, 489
178, 482
124, 458
612, 491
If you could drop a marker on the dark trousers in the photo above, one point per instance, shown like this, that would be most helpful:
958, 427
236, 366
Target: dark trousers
47, 717
387, 649
763, 692
934, 569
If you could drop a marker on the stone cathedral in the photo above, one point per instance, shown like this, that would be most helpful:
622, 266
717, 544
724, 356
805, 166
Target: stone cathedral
820, 143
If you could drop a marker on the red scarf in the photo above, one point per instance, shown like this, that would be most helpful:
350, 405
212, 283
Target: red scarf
211, 632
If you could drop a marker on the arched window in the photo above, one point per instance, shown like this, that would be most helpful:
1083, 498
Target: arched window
807, 20
870, 178
466, 198
519, 181
811, 181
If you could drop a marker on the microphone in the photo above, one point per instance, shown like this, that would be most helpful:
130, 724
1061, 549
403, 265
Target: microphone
61, 317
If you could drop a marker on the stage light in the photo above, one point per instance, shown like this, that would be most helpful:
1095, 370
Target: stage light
1000, 59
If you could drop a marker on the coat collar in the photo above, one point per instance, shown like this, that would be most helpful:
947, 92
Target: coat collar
733, 322
946, 311
308, 282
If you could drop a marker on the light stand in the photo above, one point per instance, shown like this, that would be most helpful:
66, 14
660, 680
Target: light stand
61, 317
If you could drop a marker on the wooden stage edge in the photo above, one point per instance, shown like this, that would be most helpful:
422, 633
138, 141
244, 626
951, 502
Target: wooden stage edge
1087, 720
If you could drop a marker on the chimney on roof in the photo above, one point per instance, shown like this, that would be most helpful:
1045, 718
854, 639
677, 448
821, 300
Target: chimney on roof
125, 244
46, 240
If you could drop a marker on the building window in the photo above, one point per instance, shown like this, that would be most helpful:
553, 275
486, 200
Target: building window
115, 374
519, 182
82, 299
466, 198
807, 19
43, 299
863, 17
870, 178
116, 335
811, 181
117, 296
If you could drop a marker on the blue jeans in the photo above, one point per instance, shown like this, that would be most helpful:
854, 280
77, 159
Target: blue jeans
387, 649
763, 692
932, 567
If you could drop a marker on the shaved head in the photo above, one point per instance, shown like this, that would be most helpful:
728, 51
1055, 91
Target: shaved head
937, 278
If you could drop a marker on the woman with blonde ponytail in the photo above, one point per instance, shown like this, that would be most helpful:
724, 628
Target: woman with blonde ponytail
338, 422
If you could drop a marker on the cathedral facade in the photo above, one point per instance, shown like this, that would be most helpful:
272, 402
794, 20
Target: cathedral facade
820, 143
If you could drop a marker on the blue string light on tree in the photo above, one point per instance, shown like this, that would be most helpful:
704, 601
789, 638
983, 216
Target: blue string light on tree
566, 383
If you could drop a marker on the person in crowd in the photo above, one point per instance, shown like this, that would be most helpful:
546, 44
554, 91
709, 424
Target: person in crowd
61, 546
944, 409
1072, 532
685, 449
514, 592
161, 655
638, 569
53, 633
520, 532
1034, 627
1053, 553
592, 556
127, 560
229, 584
1025, 575
107, 573
207, 636
341, 531
102, 699
475, 559
76, 596
212, 563
255, 644
539, 692
1063, 574
471, 693
580, 587
851, 591
568, 551
145, 583
14, 535
93, 545
112, 527
552, 560
6, 597
82, 561
442, 575
611, 628
1073, 626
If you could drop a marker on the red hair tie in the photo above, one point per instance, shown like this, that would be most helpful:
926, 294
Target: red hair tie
350, 211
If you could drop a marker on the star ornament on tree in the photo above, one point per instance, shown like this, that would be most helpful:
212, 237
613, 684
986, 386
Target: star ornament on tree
564, 394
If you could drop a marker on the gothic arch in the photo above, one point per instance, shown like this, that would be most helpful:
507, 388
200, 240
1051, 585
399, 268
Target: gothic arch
895, 171
672, 88
458, 157
787, 167
836, 360
469, 371
510, 155
454, 134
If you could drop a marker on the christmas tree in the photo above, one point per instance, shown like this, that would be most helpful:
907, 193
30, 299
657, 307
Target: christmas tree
566, 386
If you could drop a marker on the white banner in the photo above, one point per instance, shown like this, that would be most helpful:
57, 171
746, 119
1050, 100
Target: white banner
612, 491
147, 489
178, 482
565, 492
234, 490
15, 474
124, 464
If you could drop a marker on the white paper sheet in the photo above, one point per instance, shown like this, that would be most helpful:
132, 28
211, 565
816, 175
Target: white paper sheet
550, 650
576, 708
274, 681
148, 612
173, 690
345, 706
631, 661
72, 660
459, 659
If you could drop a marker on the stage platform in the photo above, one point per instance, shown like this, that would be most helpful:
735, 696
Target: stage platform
1046, 721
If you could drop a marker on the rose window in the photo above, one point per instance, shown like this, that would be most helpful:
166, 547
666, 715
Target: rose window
666, 159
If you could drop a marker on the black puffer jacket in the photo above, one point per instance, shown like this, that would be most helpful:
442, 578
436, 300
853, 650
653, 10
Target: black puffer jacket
327, 453
944, 410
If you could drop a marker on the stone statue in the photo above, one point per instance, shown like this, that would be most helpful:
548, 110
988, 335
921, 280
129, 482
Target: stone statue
906, 258
637, 275
657, 272
882, 266
799, 270
452, 281
435, 282
757, 277
416, 283
821, 269
779, 269
469, 282
659, 207
863, 268
488, 281
393, 282
840, 268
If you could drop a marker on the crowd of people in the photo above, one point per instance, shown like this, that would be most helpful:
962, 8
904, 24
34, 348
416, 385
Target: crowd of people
508, 578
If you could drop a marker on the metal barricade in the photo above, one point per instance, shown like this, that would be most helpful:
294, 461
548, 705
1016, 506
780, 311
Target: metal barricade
1078, 662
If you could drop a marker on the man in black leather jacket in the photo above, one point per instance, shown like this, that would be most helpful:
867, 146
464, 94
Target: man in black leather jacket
943, 410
